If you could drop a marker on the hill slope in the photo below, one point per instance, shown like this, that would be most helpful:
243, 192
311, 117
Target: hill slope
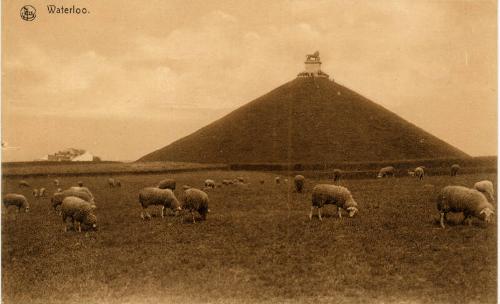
306, 120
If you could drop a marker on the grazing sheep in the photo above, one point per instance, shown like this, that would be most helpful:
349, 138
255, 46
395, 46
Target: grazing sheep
82, 189
225, 182
111, 182
196, 200
486, 187
35, 193
337, 174
80, 184
419, 172
41, 192
79, 211
24, 183
56, 183
299, 181
209, 183
331, 194
462, 199
454, 169
386, 172
156, 196
277, 179
58, 197
18, 200
167, 183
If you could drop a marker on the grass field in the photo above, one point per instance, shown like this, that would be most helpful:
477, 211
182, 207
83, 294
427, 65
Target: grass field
257, 245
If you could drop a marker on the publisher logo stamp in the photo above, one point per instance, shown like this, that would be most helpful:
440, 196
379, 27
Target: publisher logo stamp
28, 13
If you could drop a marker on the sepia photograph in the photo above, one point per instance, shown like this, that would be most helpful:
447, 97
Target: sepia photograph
240, 152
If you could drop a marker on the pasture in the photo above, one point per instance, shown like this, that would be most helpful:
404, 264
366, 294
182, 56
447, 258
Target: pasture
257, 245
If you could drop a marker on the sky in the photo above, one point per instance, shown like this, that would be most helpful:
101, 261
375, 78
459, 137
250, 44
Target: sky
131, 77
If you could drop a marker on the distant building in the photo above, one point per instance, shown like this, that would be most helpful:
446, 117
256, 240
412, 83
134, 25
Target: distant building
70, 154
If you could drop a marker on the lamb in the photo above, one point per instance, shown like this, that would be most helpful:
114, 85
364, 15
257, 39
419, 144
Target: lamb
462, 199
167, 183
18, 200
41, 192
411, 173
35, 193
332, 194
114, 182
58, 197
24, 183
196, 200
419, 172
79, 211
209, 183
486, 187
155, 196
386, 172
299, 181
454, 169
337, 173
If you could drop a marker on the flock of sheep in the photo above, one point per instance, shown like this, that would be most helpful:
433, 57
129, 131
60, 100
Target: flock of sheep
77, 202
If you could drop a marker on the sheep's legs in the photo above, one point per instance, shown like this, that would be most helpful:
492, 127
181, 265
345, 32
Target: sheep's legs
311, 213
192, 215
319, 214
340, 213
79, 226
162, 211
442, 219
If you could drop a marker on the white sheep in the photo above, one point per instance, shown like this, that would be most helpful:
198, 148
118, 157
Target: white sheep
156, 196
35, 193
386, 172
114, 182
24, 183
337, 173
82, 189
167, 183
58, 197
332, 194
419, 172
454, 169
486, 187
209, 183
299, 181
196, 200
79, 212
18, 200
462, 199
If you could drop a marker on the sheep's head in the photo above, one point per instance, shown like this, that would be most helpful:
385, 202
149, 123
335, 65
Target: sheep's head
91, 221
487, 214
352, 211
